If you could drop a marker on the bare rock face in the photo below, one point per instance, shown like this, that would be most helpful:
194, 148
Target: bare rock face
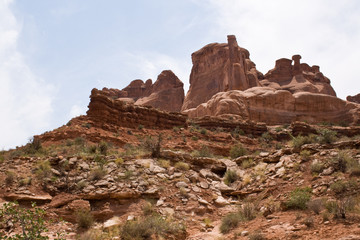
167, 93
355, 99
297, 77
105, 110
271, 106
218, 68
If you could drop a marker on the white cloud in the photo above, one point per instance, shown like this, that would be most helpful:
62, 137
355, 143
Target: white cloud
25, 100
77, 110
324, 32
151, 64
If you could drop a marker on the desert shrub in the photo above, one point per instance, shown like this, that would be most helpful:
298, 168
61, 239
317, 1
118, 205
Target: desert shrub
2, 156
97, 174
340, 208
229, 222
30, 222
140, 127
81, 184
339, 162
150, 226
309, 222
10, 178
338, 186
43, 170
101, 160
266, 137
247, 163
33, 146
326, 136
194, 138
153, 145
237, 151
317, 167
148, 209
92, 149
300, 140
128, 174
203, 152
248, 212
236, 132
119, 161
25, 181
257, 236
230, 177
298, 198
203, 131
84, 219
316, 205
182, 166
305, 155
103, 147
79, 141
164, 163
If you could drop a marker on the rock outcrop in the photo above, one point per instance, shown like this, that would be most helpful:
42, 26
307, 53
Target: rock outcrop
297, 77
104, 109
218, 68
271, 106
355, 99
167, 93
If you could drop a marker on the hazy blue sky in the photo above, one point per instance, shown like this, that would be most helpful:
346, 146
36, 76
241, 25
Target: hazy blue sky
52, 53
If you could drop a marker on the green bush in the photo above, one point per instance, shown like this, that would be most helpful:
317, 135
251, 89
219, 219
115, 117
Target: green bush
299, 198
153, 145
34, 146
342, 161
10, 178
339, 186
326, 136
266, 137
103, 147
97, 174
317, 167
43, 170
305, 155
29, 222
257, 236
237, 151
230, 177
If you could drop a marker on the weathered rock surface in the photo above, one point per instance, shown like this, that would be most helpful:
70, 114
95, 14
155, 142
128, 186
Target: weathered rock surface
355, 99
217, 68
271, 106
103, 110
167, 93
297, 77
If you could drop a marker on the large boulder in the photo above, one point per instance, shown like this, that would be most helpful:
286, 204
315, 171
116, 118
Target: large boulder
272, 106
296, 77
218, 68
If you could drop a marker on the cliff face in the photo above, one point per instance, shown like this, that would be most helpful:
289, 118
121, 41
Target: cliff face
355, 99
217, 68
103, 109
271, 106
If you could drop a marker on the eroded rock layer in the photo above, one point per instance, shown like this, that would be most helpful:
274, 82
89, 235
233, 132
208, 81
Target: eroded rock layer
297, 77
355, 99
217, 68
103, 109
167, 93
271, 106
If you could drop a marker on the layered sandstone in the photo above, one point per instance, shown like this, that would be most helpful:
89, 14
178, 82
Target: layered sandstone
296, 77
218, 68
104, 109
167, 93
271, 106
355, 99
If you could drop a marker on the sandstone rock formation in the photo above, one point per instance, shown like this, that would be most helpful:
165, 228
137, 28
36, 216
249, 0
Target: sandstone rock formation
271, 106
355, 99
299, 77
103, 109
218, 68
167, 93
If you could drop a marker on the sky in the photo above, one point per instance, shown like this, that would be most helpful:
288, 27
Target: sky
52, 53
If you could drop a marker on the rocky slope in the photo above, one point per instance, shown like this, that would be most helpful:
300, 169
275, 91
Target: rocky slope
188, 182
